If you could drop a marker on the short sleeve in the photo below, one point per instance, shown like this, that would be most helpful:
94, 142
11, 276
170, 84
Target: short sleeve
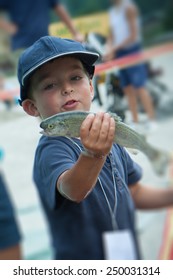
131, 171
53, 157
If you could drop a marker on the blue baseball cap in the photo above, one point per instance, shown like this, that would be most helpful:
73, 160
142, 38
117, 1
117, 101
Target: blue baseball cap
46, 49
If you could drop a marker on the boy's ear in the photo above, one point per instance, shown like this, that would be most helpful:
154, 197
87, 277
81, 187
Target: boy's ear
30, 108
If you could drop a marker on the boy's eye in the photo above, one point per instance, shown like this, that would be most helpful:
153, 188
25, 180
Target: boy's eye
49, 86
76, 78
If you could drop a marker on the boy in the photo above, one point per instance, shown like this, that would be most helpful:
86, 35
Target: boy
88, 186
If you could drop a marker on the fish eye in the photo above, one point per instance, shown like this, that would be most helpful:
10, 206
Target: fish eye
50, 126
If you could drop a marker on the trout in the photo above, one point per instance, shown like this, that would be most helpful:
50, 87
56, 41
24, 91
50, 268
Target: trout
68, 124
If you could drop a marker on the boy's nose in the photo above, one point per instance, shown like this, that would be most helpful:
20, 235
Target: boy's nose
67, 91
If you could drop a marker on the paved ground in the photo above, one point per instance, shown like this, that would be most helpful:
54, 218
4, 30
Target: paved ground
19, 137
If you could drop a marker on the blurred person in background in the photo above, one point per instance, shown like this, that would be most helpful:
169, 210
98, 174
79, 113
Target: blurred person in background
4, 93
10, 236
125, 39
29, 20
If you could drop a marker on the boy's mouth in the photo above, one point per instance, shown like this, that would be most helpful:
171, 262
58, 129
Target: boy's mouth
70, 104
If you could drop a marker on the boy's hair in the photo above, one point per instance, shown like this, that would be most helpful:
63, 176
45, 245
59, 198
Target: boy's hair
48, 48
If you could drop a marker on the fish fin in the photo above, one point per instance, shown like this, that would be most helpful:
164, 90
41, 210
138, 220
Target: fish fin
160, 165
115, 116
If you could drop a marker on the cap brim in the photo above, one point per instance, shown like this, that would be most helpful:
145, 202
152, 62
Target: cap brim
88, 58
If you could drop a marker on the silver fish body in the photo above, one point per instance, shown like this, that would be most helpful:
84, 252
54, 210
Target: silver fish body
68, 124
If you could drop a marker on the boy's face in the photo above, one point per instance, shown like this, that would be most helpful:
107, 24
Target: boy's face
58, 86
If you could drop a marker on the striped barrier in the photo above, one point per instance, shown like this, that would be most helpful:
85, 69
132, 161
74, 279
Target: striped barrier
134, 59
9, 95
110, 66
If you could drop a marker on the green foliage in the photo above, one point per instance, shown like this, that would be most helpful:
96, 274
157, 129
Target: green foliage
149, 7
78, 7
168, 18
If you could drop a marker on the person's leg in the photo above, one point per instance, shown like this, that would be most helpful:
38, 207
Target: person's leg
137, 76
146, 101
130, 94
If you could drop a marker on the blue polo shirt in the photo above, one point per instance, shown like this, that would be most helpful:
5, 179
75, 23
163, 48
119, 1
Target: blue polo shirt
31, 17
77, 228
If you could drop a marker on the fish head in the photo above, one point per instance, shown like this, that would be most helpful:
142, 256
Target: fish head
54, 127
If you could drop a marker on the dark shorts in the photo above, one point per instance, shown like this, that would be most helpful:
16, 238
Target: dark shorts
9, 231
134, 75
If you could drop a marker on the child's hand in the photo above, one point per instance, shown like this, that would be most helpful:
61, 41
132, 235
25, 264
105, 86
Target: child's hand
97, 133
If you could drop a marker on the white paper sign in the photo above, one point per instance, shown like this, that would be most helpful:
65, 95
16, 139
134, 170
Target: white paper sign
119, 245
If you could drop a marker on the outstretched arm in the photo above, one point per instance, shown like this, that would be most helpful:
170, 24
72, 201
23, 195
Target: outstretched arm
146, 197
65, 17
97, 134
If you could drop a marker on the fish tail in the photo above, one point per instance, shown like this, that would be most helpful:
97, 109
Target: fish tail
161, 162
